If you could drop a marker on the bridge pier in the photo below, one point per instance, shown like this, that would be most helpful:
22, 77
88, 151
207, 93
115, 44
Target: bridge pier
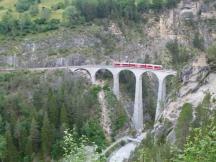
116, 84
138, 104
161, 96
92, 72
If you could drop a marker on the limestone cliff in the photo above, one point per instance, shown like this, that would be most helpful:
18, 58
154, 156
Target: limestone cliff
197, 81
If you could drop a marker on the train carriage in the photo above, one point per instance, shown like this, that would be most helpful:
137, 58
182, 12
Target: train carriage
138, 65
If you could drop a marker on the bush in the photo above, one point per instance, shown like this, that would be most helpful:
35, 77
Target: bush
201, 145
34, 10
23, 5
45, 13
212, 56
72, 16
180, 54
58, 6
198, 42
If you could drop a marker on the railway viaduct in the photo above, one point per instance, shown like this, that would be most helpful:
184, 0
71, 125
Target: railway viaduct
137, 118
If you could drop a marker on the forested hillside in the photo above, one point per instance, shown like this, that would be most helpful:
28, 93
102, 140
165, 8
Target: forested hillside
37, 108
19, 17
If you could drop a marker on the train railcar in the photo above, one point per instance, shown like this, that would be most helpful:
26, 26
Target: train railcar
138, 65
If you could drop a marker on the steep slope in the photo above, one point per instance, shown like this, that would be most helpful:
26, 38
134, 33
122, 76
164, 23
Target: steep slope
197, 82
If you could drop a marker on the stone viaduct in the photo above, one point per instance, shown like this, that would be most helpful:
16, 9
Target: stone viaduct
138, 72
115, 71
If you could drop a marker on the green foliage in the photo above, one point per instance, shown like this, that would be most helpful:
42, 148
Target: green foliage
46, 136
201, 144
57, 6
143, 5
150, 151
180, 55
37, 114
118, 115
23, 5
94, 132
198, 42
212, 56
24, 25
34, 137
45, 13
72, 16
34, 10
2, 147
157, 4
183, 124
202, 113
172, 3
72, 13
198, 146
149, 99
77, 151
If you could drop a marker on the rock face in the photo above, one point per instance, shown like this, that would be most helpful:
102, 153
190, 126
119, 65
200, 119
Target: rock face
197, 81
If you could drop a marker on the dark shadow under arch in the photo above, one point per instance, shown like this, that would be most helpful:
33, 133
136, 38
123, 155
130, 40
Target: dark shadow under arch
83, 70
127, 83
150, 85
104, 75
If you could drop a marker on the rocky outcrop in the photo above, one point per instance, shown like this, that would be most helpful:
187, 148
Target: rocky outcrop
197, 81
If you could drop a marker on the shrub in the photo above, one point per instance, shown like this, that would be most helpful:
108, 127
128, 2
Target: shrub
212, 56
58, 6
45, 13
201, 145
34, 10
183, 124
72, 16
23, 5
198, 42
180, 54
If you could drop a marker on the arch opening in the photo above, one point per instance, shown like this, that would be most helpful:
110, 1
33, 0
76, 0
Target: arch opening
150, 86
127, 81
85, 73
104, 76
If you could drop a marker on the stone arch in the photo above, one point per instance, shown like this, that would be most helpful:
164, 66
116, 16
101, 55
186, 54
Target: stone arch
83, 69
108, 72
104, 74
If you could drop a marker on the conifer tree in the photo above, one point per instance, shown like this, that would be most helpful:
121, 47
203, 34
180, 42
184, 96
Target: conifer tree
46, 136
157, 4
52, 108
11, 150
63, 115
34, 136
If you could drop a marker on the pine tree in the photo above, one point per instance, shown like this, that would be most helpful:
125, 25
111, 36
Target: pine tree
157, 4
11, 150
34, 136
63, 115
53, 108
46, 136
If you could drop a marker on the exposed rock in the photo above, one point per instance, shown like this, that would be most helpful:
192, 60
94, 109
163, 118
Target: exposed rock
197, 81
171, 137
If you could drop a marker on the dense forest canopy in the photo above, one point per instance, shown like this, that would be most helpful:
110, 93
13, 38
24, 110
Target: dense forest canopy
33, 16
36, 109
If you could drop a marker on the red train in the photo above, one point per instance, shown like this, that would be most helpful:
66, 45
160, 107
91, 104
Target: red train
137, 65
